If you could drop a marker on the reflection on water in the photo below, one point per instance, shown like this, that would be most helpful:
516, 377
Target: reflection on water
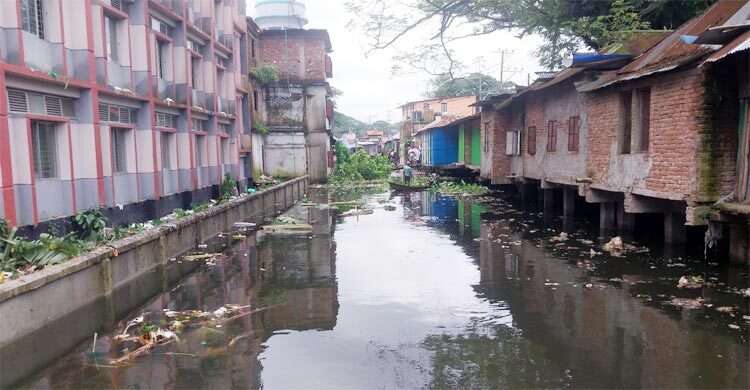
433, 291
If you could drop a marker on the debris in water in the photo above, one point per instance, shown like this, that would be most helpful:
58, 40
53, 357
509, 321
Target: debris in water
356, 212
690, 282
733, 326
686, 303
725, 309
616, 247
560, 238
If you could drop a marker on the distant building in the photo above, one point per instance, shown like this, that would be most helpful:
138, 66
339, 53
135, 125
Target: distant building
415, 115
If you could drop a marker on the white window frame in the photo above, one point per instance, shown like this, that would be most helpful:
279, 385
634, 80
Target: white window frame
513, 143
40, 129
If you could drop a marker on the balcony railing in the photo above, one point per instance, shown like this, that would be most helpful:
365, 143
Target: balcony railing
164, 89
43, 55
118, 75
226, 106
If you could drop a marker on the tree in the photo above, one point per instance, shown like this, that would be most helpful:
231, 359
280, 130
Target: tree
565, 25
478, 84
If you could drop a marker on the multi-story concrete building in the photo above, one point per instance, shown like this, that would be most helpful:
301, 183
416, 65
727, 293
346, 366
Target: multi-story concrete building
131, 103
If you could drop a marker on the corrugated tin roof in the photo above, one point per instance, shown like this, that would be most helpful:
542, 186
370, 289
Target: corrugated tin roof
737, 45
448, 120
672, 52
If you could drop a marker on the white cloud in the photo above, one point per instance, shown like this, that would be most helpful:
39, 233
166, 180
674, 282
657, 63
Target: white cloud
371, 92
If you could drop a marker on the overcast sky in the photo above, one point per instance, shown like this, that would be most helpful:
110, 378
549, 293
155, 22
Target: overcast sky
372, 93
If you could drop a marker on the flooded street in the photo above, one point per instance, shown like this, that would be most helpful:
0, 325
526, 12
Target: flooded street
434, 292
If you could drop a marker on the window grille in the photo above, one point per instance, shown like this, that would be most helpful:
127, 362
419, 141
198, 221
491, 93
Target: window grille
21, 101
114, 113
164, 120
32, 17
119, 163
44, 146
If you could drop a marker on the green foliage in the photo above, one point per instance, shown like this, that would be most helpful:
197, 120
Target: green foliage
266, 74
228, 187
4, 227
442, 87
453, 188
261, 128
414, 182
198, 207
180, 213
18, 252
359, 167
612, 28
564, 25
90, 224
343, 123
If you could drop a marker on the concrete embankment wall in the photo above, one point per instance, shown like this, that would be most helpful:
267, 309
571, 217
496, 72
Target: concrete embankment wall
48, 312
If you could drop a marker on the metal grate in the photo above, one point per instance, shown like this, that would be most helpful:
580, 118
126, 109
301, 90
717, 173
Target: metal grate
17, 101
114, 113
164, 120
116, 4
53, 106
21, 101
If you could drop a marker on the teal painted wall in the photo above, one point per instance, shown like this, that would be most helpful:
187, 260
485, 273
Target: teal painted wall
476, 147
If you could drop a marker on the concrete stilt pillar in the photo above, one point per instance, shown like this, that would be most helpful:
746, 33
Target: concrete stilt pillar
549, 201
607, 215
739, 243
569, 202
540, 197
674, 228
625, 221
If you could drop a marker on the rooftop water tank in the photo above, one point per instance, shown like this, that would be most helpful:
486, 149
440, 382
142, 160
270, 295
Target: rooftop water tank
280, 14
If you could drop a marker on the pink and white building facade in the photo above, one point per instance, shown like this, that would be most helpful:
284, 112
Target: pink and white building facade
136, 105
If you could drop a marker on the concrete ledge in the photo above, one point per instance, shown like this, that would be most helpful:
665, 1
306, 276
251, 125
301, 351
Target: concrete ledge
33, 300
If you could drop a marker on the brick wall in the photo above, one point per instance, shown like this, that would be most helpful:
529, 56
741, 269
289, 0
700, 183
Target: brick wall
306, 59
690, 152
495, 164
558, 103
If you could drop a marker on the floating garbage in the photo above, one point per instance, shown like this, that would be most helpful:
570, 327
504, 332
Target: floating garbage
616, 247
690, 282
560, 238
687, 303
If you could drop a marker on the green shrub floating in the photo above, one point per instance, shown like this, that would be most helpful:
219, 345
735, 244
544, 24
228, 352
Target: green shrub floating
358, 167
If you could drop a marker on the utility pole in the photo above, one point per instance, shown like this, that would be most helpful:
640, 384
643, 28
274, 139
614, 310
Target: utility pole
503, 52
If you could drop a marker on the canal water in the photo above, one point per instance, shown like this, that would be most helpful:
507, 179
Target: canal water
434, 292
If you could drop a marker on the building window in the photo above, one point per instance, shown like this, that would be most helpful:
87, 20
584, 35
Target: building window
164, 120
195, 64
224, 128
225, 151
161, 58
513, 143
626, 111
574, 130
166, 155
252, 47
532, 140
255, 100
199, 124
552, 136
200, 147
110, 32
44, 146
119, 160
487, 137
643, 124
32, 17
425, 106
443, 107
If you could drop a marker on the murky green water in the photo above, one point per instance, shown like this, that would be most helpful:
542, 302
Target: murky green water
440, 293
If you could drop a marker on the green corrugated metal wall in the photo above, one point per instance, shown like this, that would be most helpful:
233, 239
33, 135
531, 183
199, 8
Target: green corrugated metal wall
476, 147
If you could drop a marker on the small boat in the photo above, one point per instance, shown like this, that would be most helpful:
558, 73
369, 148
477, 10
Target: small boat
406, 188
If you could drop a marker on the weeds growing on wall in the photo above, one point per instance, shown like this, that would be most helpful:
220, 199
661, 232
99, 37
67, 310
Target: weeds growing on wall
266, 74
358, 167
